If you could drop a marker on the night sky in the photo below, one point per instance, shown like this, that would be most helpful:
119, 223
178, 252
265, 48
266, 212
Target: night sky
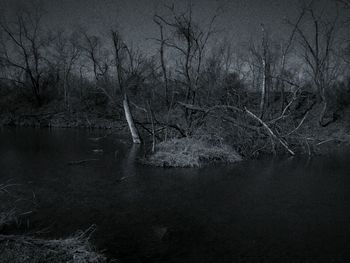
239, 20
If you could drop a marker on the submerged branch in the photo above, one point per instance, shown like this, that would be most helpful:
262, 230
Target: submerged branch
82, 161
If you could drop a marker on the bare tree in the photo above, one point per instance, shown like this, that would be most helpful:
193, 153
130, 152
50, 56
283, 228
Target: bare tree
100, 59
262, 55
93, 49
23, 48
190, 41
162, 42
266, 69
286, 47
66, 53
223, 75
317, 50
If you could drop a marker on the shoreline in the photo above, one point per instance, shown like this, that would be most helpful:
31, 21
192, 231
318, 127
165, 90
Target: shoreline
320, 140
60, 120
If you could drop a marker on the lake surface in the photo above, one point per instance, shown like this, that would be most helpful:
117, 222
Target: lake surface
293, 210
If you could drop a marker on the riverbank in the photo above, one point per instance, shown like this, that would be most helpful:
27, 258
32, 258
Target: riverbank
303, 133
44, 119
16, 111
303, 136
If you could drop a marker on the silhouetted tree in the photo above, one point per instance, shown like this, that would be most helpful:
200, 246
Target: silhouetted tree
24, 45
65, 55
190, 41
317, 50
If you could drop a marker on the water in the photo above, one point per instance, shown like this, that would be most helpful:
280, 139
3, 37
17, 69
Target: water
294, 210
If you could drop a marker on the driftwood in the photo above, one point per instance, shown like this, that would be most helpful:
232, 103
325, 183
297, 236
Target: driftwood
96, 139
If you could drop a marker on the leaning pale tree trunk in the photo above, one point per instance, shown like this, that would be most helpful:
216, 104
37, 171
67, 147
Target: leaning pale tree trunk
130, 120
119, 45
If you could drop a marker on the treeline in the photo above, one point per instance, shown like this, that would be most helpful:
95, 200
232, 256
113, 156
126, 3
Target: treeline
194, 84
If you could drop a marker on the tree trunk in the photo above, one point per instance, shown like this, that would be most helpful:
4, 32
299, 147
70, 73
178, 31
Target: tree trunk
323, 101
66, 92
263, 90
37, 96
133, 130
282, 97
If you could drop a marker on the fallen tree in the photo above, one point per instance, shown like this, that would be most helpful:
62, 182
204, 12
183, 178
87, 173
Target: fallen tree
271, 133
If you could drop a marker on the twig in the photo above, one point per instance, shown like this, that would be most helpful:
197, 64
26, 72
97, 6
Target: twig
299, 125
283, 114
82, 161
325, 141
87, 119
138, 107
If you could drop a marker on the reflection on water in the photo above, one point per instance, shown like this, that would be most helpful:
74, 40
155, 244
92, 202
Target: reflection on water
290, 210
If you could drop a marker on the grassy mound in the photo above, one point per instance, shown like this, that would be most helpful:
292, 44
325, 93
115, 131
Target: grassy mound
18, 249
191, 152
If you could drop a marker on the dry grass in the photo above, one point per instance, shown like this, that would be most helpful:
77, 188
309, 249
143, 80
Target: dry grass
22, 248
190, 152
18, 249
